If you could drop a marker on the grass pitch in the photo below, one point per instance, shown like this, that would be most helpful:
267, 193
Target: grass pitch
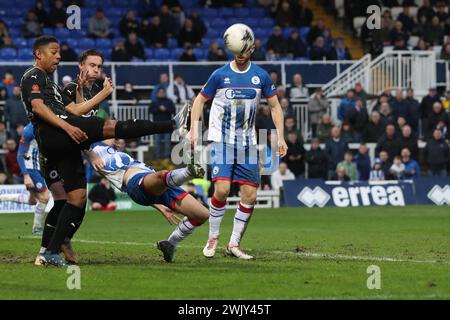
300, 254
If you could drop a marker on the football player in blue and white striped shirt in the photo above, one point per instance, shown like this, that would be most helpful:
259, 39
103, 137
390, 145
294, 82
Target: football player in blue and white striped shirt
28, 159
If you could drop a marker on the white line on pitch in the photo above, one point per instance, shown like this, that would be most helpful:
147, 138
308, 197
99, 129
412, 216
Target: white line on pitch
325, 256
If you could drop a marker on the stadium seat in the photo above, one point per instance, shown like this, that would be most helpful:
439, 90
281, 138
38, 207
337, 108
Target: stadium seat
304, 32
15, 13
260, 33
266, 23
241, 12
208, 13
86, 43
78, 34
21, 43
25, 53
48, 31
219, 23
172, 43
137, 60
214, 33
258, 12
226, 12
287, 32
176, 53
62, 33
199, 53
103, 43
148, 53
72, 42
15, 33
8, 53
161, 53
113, 12
252, 22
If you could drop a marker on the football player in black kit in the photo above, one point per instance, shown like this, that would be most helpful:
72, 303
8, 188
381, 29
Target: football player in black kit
61, 136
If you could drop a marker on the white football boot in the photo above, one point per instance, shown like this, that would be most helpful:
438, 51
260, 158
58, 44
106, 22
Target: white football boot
237, 252
210, 249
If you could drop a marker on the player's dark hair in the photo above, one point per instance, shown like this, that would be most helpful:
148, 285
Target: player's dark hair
43, 41
90, 52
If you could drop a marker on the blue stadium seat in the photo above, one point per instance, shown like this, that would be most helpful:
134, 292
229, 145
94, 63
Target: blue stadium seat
148, 53
14, 33
161, 53
199, 53
287, 31
208, 13
86, 43
15, 13
21, 43
214, 33
6, 53
137, 60
219, 23
304, 32
226, 12
252, 22
206, 42
62, 33
72, 42
242, 12
172, 43
261, 33
176, 53
258, 12
30, 42
79, 34
114, 12
103, 43
25, 53
266, 23
48, 31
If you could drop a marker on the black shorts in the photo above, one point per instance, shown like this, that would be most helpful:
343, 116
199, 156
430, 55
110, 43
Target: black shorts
62, 156
70, 171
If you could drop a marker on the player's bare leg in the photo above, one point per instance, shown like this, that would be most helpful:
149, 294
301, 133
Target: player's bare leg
241, 220
216, 213
195, 215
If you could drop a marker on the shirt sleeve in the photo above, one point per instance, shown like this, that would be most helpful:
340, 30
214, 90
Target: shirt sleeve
22, 152
268, 88
66, 99
70, 90
211, 86
33, 85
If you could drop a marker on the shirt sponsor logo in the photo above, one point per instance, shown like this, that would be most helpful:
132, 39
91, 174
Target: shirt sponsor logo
240, 94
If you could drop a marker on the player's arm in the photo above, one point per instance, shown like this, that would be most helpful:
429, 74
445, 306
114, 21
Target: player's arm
208, 91
171, 216
79, 109
278, 120
43, 112
96, 162
22, 152
197, 111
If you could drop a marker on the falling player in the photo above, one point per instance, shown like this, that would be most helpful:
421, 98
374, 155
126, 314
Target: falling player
150, 188
28, 159
235, 89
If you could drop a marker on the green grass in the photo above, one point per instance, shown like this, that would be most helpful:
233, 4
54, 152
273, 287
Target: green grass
300, 254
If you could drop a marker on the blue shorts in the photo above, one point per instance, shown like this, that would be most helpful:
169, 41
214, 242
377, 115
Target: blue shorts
235, 163
136, 191
38, 180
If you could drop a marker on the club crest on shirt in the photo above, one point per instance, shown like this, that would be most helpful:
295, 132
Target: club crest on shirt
255, 80
216, 170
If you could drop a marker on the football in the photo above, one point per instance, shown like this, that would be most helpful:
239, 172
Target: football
238, 38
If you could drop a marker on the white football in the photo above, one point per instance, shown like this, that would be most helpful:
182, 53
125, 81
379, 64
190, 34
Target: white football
238, 38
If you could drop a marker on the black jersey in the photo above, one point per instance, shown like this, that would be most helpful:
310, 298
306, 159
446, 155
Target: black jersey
71, 91
36, 84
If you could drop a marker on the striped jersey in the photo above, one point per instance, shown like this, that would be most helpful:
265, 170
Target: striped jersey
236, 95
116, 163
28, 153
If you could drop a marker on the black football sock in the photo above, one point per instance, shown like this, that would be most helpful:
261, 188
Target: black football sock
67, 221
51, 221
138, 128
72, 232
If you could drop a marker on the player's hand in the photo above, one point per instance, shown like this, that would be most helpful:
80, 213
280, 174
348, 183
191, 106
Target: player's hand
171, 216
76, 134
82, 78
108, 85
97, 164
282, 148
192, 137
28, 182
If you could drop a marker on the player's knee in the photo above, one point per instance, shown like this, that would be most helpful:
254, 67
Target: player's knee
222, 193
44, 197
77, 199
249, 198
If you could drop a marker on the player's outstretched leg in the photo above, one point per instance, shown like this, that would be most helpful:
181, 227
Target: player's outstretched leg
216, 213
39, 211
195, 215
241, 220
